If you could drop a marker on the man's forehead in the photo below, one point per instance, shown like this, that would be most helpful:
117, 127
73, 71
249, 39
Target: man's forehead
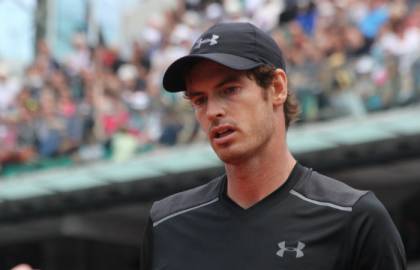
214, 75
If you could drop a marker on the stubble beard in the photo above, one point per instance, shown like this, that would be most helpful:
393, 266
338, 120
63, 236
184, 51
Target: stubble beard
240, 152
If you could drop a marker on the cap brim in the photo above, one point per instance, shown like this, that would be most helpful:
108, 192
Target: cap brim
174, 77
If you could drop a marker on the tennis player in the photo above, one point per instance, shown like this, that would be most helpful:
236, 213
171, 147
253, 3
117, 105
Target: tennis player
268, 212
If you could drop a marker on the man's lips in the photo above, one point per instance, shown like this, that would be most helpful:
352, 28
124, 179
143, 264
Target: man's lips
221, 131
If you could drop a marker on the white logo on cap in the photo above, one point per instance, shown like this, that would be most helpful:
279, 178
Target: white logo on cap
212, 41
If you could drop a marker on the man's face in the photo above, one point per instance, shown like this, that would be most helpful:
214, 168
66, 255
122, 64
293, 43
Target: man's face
231, 108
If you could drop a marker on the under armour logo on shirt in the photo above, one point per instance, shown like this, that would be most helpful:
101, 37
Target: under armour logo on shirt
212, 41
284, 248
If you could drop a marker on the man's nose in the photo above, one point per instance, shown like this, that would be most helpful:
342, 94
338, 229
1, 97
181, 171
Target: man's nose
215, 109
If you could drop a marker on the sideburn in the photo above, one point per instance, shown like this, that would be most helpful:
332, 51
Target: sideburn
263, 76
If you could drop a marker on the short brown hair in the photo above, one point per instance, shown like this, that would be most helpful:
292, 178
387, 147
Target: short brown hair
264, 76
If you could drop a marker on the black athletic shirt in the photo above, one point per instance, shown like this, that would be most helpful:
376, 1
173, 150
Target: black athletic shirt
311, 222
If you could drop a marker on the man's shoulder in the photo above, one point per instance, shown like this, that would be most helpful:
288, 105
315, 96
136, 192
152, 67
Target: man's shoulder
185, 200
324, 190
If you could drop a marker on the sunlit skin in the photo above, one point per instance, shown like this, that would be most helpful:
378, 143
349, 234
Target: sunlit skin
245, 128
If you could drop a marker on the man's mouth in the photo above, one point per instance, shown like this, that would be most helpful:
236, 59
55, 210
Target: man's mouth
223, 133
220, 134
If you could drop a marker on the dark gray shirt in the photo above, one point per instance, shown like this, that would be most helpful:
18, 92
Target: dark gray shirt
311, 222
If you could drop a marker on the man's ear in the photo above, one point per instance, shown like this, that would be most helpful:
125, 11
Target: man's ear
279, 87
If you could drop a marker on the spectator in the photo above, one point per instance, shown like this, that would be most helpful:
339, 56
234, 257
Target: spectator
22, 267
9, 88
50, 125
375, 18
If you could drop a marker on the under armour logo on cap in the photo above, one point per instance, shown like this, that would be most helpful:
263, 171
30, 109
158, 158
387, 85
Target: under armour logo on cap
284, 248
235, 45
212, 41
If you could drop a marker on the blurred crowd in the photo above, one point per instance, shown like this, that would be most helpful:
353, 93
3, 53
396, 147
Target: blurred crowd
344, 57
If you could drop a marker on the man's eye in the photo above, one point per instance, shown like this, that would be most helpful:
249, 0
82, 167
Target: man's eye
198, 101
230, 90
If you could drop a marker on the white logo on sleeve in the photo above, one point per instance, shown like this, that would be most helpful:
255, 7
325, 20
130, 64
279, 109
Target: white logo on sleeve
284, 248
212, 41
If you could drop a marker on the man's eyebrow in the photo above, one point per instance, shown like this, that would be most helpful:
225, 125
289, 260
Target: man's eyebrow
191, 94
230, 78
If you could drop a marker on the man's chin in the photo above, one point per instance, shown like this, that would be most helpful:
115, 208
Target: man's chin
229, 155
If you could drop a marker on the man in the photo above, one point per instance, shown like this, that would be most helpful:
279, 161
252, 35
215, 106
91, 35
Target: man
268, 211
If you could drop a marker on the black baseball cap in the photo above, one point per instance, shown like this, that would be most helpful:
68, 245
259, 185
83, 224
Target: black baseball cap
240, 46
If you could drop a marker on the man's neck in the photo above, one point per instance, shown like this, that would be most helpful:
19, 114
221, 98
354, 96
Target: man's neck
255, 179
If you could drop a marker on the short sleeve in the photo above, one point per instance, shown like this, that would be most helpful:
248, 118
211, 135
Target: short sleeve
375, 243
